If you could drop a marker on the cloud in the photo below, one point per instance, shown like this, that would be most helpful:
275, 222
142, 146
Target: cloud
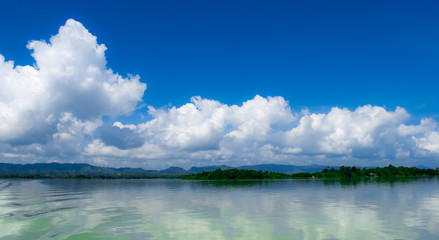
203, 123
52, 111
341, 131
70, 77
265, 130
120, 136
204, 132
430, 142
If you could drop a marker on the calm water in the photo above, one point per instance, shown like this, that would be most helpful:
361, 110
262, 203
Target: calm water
176, 209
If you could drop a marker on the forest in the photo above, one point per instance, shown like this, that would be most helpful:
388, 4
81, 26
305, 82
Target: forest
344, 172
388, 171
236, 174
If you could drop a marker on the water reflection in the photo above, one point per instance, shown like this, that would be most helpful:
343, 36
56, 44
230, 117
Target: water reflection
177, 209
372, 180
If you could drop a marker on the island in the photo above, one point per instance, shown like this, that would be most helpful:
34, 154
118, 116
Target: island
344, 172
235, 174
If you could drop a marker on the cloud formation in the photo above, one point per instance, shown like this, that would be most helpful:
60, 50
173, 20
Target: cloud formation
265, 130
70, 77
203, 123
122, 137
53, 111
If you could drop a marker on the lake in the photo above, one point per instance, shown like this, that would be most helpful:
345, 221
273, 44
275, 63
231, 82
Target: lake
178, 209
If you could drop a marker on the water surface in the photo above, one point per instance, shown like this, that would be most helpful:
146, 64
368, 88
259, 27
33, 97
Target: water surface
177, 209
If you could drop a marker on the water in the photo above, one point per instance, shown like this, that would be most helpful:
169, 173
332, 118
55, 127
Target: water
177, 209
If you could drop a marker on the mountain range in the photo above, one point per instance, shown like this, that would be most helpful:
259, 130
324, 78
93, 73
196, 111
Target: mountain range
75, 169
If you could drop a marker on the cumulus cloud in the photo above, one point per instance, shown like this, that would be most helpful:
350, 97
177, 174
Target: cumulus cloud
70, 77
203, 123
265, 130
120, 136
342, 131
429, 142
53, 111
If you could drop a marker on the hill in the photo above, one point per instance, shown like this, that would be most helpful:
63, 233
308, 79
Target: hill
80, 170
77, 170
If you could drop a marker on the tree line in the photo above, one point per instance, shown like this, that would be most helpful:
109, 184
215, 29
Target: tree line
344, 172
235, 174
388, 171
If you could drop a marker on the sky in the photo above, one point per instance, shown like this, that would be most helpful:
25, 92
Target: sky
155, 84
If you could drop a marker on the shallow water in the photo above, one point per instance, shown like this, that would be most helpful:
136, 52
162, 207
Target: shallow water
177, 209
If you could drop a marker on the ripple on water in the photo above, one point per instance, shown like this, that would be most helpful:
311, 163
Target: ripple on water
73, 209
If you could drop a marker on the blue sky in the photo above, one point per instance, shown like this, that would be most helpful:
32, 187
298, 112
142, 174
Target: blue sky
318, 56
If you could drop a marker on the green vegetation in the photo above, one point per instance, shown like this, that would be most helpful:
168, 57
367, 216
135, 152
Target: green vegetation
235, 174
389, 171
342, 173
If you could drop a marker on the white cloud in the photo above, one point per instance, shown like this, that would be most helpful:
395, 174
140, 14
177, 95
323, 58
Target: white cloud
203, 124
341, 131
255, 118
430, 142
292, 150
427, 124
264, 130
53, 111
69, 137
196, 125
207, 132
70, 77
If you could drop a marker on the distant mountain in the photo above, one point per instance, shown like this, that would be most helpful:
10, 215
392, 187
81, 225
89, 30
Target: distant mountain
51, 168
61, 170
208, 168
288, 169
174, 170
281, 168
